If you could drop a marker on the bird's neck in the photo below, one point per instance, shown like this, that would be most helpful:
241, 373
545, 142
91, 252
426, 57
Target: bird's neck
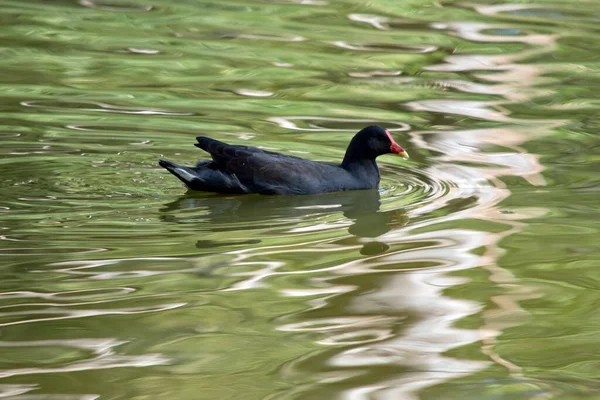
354, 159
359, 161
357, 153
362, 168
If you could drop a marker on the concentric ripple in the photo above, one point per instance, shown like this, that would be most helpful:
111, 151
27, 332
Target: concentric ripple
412, 187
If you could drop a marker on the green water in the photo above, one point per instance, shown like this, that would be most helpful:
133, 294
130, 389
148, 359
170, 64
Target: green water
471, 274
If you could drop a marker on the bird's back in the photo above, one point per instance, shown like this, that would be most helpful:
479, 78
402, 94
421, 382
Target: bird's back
268, 172
245, 169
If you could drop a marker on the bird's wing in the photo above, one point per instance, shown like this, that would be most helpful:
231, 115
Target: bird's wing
221, 151
268, 171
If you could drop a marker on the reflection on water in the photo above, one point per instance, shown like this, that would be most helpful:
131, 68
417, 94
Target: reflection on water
468, 274
321, 124
103, 356
84, 105
380, 47
360, 214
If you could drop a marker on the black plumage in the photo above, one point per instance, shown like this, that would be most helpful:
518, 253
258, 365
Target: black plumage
242, 169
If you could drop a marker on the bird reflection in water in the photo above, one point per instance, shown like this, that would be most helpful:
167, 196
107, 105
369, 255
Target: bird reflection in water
361, 207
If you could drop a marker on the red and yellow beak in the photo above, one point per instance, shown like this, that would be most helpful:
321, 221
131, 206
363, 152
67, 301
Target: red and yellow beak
396, 148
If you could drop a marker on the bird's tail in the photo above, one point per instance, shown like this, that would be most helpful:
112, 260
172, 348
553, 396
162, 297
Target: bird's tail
205, 177
184, 174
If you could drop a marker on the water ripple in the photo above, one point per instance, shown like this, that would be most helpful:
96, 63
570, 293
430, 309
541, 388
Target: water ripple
96, 269
336, 323
371, 74
534, 10
7, 390
475, 31
252, 93
321, 124
384, 47
301, 2
56, 396
43, 251
357, 337
22, 150
103, 356
56, 312
385, 23
134, 50
79, 106
264, 36
375, 21
469, 108
70, 295
115, 6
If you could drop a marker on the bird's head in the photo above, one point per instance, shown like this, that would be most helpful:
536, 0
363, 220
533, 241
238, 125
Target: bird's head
377, 141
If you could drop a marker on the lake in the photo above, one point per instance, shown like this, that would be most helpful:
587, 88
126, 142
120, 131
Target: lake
472, 273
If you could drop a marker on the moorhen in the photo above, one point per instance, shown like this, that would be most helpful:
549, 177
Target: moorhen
243, 169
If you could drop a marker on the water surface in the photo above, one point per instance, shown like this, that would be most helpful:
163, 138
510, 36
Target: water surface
470, 274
